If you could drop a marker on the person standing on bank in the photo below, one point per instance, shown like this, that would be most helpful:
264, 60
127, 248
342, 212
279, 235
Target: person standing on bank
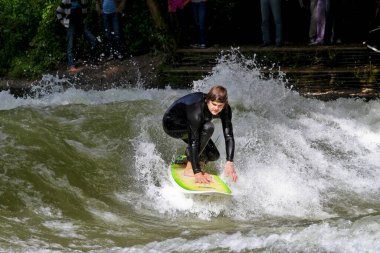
111, 11
72, 14
189, 118
176, 15
271, 8
199, 14
319, 13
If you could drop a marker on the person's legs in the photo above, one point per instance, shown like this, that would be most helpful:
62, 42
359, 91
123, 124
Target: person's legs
70, 46
90, 37
207, 131
116, 35
277, 15
265, 20
329, 27
337, 20
202, 23
321, 23
195, 12
107, 33
93, 41
313, 20
210, 153
207, 149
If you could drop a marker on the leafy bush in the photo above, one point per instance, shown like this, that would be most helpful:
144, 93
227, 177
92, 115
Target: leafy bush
33, 41
44, 51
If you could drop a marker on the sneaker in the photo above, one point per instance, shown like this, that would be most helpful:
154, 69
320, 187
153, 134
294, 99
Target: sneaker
265, 44
73, 70
315, 43
120, 57
109, 58
181, 159
194, 45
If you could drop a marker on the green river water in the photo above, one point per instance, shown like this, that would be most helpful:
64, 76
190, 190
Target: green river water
86, 171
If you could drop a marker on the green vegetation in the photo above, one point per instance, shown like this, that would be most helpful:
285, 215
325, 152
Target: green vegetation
32, 41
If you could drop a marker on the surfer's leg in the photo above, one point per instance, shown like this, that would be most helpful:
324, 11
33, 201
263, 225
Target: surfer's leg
210, 152
174, 127
205, 137
207, 131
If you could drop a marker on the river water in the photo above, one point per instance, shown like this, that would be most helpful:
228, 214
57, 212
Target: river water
86, 171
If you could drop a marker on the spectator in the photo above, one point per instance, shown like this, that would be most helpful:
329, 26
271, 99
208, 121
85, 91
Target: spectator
335, 22
174, 5
296, 14
269, 7
71, 14
175, 8
199, 15
319, 14
111, 11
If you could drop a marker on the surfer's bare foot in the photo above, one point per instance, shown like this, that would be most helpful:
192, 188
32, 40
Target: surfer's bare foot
188, 170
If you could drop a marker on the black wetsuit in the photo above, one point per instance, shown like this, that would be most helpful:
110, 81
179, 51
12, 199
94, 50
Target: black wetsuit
189, 119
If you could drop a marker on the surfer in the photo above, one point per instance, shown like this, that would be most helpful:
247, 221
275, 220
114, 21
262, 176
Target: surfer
189, 118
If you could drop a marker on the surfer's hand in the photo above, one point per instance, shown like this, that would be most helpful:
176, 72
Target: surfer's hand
202, 178
230, 171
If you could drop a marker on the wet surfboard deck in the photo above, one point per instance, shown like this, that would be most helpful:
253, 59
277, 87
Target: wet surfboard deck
187, 183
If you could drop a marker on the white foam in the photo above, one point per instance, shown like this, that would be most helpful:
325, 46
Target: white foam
293, 155
297, 159
51, 93
360, 236
63, 229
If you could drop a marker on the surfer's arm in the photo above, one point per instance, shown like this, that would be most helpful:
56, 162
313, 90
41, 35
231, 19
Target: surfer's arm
228, 133
226, 118
194, 150
194, 118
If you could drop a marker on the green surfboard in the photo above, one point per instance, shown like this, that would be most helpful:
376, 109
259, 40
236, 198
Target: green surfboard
187, 183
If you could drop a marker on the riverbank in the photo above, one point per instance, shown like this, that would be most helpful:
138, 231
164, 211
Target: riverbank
323, 72
141, 70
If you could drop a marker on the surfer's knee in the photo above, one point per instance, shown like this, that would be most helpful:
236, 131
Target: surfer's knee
213, 156
208, 128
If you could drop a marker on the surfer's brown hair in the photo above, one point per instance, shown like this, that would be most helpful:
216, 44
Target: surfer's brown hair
218, 94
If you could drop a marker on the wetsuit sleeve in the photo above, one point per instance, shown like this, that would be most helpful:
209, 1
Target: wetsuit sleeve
226, 118
194, 117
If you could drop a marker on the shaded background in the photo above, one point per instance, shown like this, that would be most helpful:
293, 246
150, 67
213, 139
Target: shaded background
32, 41
238, 21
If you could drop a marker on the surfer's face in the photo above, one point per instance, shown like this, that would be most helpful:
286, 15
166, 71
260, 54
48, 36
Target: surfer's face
215, 107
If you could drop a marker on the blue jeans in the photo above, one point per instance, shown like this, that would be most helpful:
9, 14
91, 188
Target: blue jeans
319, 12
111, 24
269, 7
199, 15
72, 31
